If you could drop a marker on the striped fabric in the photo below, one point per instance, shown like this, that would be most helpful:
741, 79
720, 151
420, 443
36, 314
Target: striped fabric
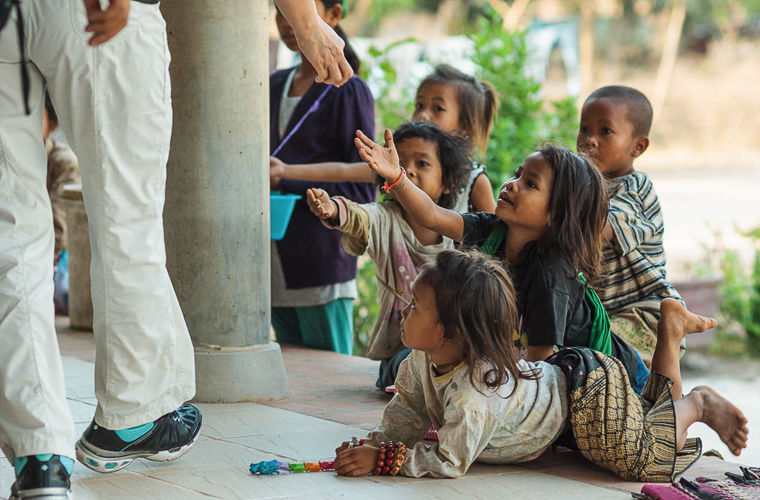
634, 261
633, 437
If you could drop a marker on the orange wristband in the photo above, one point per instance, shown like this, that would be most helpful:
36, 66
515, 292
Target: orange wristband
387, 187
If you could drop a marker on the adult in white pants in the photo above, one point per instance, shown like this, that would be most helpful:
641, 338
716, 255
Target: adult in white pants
114, 105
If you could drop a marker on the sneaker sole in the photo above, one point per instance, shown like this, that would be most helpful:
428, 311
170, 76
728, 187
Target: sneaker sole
43, 494
99, 461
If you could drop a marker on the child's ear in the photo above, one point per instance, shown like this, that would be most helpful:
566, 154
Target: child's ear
639, 146
334, 14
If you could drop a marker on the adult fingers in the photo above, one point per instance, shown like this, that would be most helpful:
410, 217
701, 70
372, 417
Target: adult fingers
105, 24
334, 75
91, 6
345, 69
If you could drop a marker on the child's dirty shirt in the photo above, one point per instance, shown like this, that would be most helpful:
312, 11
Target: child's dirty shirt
379, 229
472, 426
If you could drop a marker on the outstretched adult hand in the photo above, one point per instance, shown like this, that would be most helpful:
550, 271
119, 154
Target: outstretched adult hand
320, 204
105, 24
382, 160
324, 50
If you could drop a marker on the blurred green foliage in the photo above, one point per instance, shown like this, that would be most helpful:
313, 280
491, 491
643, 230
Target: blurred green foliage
740, 292
525, 120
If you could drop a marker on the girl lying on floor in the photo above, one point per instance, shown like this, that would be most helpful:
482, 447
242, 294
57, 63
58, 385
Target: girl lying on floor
465, 378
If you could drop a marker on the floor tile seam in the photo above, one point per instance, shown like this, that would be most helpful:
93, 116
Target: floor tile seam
180, 486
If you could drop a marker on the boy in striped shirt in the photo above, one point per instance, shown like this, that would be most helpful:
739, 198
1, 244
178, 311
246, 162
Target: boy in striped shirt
614, 130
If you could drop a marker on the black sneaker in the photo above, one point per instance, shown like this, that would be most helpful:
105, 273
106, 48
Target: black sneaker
42, 479
171, 436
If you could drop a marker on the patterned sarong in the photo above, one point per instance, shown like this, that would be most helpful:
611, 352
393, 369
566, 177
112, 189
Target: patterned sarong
632, 436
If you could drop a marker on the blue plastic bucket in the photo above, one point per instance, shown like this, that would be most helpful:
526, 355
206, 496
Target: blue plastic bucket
280, 209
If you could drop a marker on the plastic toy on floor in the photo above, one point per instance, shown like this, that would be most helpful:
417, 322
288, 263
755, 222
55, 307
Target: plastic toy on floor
279, 467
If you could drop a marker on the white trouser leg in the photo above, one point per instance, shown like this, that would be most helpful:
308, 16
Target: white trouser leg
114, 105
34, 415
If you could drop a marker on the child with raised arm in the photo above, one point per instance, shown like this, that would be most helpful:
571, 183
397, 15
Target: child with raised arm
547, 229
454, 101
465, 378
614, 130
436, 162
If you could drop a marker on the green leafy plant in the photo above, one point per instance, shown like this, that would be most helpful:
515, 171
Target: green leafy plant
525, 120
740, 292
392, 105
366, 307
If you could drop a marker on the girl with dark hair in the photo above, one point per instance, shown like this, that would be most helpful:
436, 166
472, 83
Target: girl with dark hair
547, 229
309, 123
437, 163
456, 102
465, 378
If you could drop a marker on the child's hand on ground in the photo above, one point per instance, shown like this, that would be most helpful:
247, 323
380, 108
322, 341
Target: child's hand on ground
276, 171
320, 204
382, 160
356, 461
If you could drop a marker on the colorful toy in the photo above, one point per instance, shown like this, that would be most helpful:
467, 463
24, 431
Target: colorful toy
278, 466
390, 458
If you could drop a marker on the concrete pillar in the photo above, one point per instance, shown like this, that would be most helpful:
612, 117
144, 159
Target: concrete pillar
217, 195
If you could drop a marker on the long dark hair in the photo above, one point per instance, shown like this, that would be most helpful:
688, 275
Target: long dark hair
476, 302
348, 50
578, 208
478, 102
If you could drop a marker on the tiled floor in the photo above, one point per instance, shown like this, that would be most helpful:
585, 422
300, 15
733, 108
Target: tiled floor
332, 399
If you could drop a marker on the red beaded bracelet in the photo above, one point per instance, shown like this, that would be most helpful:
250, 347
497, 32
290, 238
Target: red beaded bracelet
387, 187
390, 458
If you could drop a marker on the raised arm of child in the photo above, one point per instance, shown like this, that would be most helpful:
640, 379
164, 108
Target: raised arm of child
346, 216
384, 161
318, 172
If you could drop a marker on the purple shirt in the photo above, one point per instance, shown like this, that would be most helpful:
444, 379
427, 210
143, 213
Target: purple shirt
311, 254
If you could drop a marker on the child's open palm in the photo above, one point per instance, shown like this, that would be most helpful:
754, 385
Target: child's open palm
382, 160
320, 203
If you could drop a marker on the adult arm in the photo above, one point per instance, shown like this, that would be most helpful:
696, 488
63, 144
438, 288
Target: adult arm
384, 161
319, 43
105, 24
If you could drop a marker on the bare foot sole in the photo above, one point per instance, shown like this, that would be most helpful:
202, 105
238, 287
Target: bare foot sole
724, 418
677, 321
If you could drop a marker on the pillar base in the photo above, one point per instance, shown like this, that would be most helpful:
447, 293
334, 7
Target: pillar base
255, 373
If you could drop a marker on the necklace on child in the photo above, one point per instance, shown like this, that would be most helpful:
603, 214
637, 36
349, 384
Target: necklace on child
443, 368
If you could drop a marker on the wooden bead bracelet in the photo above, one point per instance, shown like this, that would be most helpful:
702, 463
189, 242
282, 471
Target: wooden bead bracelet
390, 458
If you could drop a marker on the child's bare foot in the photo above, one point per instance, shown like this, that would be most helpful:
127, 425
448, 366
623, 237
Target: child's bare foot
723, 417
676, 321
